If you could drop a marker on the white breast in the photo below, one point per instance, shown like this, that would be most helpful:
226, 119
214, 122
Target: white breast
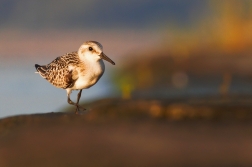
88, 77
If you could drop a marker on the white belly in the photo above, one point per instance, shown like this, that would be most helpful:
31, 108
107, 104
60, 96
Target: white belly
85, 82
90, 76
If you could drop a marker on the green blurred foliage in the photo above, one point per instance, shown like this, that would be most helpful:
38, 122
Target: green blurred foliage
218, 44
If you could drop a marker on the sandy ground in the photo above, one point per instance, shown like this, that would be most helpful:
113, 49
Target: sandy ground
118, 132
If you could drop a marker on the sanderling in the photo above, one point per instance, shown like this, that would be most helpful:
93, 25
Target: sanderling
76, 70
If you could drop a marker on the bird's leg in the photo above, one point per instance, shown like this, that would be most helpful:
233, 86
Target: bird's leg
79, 96
77, 104
72, 103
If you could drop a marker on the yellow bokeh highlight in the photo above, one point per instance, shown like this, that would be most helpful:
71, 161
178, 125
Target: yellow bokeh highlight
227, 29
126, 91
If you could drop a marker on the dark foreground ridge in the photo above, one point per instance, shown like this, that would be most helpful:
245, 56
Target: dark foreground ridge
141, 132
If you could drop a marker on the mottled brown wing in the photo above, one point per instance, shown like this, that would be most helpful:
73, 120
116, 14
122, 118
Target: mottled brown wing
57, 72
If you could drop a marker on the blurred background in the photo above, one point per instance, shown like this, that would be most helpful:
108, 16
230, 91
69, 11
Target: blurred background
162, 49
179, 94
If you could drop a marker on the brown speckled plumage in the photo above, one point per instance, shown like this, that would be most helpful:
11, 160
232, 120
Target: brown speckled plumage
57, 72
76, 70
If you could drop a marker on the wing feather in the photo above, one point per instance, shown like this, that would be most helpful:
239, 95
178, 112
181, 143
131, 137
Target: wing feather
57, 72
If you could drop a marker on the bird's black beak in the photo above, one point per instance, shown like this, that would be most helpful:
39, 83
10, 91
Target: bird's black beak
103, 56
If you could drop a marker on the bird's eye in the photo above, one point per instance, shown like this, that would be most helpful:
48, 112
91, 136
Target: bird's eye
90, 48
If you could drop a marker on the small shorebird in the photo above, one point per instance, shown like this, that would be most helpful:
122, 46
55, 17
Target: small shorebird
76, 70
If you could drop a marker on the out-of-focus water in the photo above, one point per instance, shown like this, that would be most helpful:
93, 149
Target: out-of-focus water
22, 91
201, 87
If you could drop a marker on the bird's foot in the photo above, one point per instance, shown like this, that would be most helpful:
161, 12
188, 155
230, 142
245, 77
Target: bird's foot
79, 110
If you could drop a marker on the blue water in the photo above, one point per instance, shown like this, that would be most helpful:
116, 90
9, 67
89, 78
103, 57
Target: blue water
24, 92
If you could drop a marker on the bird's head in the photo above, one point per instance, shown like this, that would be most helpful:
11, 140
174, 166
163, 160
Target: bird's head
92, 50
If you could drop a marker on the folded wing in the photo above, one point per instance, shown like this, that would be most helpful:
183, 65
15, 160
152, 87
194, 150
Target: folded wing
57, 73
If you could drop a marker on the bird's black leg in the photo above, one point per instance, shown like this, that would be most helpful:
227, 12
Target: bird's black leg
79, 96
72, 103
77, 104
